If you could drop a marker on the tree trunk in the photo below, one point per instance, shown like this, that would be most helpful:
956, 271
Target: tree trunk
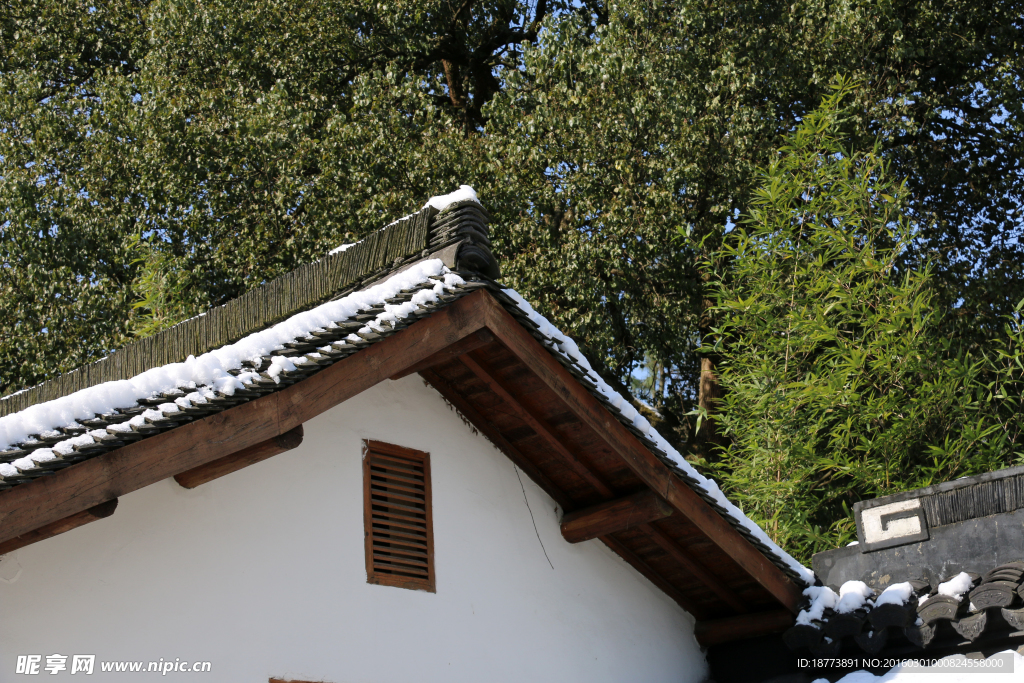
710, 439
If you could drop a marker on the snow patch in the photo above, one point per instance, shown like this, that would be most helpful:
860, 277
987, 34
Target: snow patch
957, 586
464, 193
896, 594
344, 247
822, 598
852, 596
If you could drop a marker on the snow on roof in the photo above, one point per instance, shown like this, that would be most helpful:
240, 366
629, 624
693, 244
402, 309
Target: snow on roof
343, 247
212, 371
463, 194
701, 484
247, 362
439, 202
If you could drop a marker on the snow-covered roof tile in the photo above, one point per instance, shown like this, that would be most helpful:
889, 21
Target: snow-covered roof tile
437, 258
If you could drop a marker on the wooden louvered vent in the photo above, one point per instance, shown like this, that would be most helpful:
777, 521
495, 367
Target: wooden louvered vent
397, 517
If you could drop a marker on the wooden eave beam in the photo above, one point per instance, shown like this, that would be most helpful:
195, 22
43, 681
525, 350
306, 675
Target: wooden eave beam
29, 506
52, 529
719, 631
240, 459
471, 343
637, 457
614, 516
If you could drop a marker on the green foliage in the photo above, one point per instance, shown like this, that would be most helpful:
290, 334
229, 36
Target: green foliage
841, 383
243, 138
162, 291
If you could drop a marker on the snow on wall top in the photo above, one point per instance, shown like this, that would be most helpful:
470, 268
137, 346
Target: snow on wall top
439, 202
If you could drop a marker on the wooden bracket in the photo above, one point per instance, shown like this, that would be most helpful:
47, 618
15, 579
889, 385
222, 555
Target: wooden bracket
60, 526
240, 459
614, 516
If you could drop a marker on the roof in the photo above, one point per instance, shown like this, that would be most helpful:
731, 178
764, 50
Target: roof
457, 236
968, 608
261, 365
938, 569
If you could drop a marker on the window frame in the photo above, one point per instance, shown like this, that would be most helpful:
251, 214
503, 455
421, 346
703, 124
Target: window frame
422, 458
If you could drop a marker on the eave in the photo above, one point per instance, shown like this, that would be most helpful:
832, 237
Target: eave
531, 407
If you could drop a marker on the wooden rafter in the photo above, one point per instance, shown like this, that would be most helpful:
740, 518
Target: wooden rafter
640, 460
470, 343
495, 437
537, 425
653, 576
694, 567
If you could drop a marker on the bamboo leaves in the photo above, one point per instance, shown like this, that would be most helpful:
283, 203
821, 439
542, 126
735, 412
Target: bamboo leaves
842, 385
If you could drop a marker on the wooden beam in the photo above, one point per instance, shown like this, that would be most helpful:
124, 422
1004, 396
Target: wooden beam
494, 436
240, 459
653, 576
613, 516
637, 457
45, 500
60, 526
470, 343
719, 631
699, 571
537, 425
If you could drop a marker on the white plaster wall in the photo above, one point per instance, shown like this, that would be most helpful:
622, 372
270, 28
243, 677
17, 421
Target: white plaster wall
262, 573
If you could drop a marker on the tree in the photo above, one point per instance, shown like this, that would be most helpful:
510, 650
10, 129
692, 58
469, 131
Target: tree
658, 123
842, 384
233, 140
238, 139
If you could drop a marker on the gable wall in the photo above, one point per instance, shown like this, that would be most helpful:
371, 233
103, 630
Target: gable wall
262, 573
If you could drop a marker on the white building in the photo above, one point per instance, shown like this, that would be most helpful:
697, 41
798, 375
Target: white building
419, 480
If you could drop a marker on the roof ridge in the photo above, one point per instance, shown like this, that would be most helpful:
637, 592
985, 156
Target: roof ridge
458, 235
